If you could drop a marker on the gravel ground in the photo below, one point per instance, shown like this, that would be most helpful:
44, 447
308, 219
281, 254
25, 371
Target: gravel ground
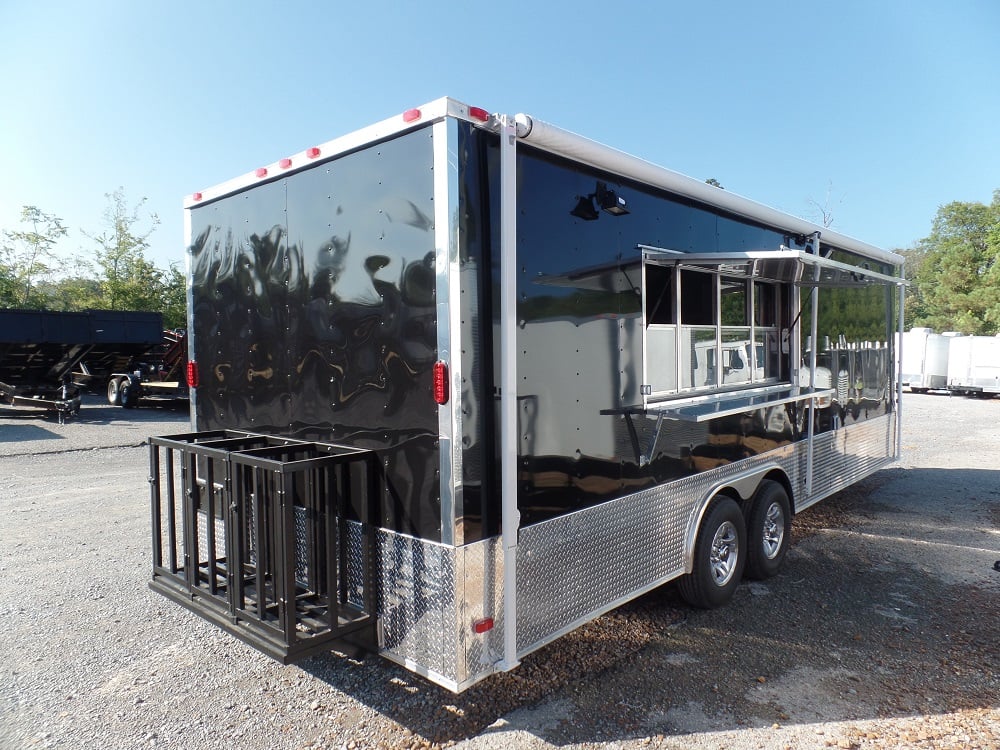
882, 631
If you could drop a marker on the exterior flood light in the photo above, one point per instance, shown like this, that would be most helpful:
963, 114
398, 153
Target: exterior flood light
610, 201
607, 200
585, 209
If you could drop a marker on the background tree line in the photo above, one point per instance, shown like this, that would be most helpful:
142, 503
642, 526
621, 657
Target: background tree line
114, 275
954, 272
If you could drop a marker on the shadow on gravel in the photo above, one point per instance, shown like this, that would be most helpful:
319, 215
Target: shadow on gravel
862, 623
95, 410
17, 433
427, 712
106, 414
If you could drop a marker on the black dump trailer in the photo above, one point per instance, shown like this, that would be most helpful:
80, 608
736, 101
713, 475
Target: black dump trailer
463, 382
43, 353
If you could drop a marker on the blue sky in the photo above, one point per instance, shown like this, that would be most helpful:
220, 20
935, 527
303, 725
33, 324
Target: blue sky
890, 107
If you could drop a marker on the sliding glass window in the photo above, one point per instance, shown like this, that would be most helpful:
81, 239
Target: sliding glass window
705, 330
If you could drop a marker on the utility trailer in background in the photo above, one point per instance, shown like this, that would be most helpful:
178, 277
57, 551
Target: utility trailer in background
42, 352
974, 365
462, 382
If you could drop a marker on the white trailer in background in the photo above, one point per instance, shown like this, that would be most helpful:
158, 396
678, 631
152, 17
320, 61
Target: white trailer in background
924, 360
974, 365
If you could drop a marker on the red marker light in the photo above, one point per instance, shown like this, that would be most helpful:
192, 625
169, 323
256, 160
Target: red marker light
411, 115
313, 152
261, 172
477, 113
285, 163
192, 374
440, 383
196, 196
482, 626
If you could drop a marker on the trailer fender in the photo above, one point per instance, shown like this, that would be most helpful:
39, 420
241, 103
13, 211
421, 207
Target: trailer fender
741, 488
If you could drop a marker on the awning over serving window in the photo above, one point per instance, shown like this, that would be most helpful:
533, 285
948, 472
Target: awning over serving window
786, 265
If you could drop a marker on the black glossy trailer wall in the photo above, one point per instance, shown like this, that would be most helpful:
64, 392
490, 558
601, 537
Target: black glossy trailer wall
313, 315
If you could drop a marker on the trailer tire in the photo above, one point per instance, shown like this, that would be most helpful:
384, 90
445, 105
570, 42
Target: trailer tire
130, 395
114, 392
769, 530
719, 557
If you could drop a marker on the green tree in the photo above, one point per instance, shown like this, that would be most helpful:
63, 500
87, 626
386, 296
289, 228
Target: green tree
27, 256
914, 305
174, 305
128, 280
956, 270
77, 292
8, 282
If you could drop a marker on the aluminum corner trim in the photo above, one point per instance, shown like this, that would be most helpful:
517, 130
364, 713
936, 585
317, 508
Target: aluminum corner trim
510, 517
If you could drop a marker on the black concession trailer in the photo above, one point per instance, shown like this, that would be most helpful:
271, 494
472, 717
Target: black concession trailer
462, 382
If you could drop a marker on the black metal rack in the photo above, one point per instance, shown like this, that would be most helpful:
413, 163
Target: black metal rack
269, 538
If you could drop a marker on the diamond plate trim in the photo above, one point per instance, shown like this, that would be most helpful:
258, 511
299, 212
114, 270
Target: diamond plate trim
578, 566
205, 553
844, 457
417, 605
480, 597
575, 567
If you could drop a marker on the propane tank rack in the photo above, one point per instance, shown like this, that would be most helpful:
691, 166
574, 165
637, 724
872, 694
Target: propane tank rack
271, 539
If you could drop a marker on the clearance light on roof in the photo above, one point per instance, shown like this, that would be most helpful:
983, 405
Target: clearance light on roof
196, 197
261, 172
440, 383
478, 113
411, 115
285, 163
313, 152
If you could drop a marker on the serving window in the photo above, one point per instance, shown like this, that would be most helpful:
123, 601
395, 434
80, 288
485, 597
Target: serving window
705, 329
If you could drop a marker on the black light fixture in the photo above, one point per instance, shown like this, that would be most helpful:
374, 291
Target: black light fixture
585, 209
610, 201
607, 200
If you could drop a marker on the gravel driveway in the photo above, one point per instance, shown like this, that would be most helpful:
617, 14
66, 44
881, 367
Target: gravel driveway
883, 629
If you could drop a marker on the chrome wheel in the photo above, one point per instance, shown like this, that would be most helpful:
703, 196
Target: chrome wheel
774, 530
769, 529
719, 556
725, 553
